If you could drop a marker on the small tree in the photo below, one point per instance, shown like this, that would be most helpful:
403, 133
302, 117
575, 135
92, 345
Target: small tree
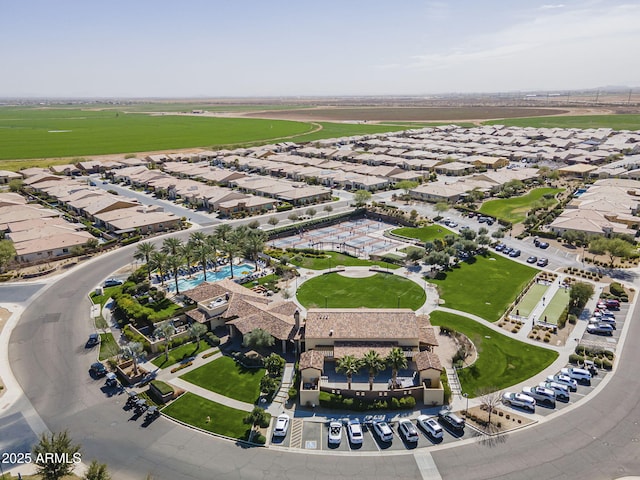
197, 330
362, 197
273, 221
59, 444
7, 254
293, 217
407, 186
258, 416
349, 365
328, 209
274, 364
489, 400
133, 351
441, 207
579, 294
253, 224
97, 471
258, 339
311, 212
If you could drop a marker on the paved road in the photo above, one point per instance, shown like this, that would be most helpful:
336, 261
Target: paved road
599, 439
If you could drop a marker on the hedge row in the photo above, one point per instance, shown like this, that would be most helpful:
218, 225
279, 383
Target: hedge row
332, 400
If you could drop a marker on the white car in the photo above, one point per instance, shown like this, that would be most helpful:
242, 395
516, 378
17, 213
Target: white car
564, 380
282, 425
354, 431
519, 400
431, 426
578, 374
408, 430
383, 430
335, 433
561, 391
541, 395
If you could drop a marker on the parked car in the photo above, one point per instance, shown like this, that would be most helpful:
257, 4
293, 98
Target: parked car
600, 328
354, 432
532, 259
451, 419
335, 433
603, 320
561, 391
408, 430
515, 253
540, 244
282, 425
612, 304
507, 250
431, 427
519, 400
94, 339
543, 262
541, 395
564, 380
383, 430
98, 369
500, 247
580, 375
112, 282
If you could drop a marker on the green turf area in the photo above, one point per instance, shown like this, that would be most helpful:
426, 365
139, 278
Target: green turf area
337, 130
515, 209
485, 286
33, 133
617, 122
194, 410
556, 306
179, 353
530, 300
502, 361
424, 234
332, 259
382, 290
108, 346
226, 377
106, 295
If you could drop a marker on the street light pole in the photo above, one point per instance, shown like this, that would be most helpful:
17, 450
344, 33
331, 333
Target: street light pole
466, 410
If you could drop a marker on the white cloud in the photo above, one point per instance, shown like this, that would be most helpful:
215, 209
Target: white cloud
551, 7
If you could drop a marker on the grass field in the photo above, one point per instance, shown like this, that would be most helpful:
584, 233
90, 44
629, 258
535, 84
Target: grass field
530, 300
381, 290
333, 259
179, 353
515, 209
485, 287
502, 361
424, 234
226, 377
108, 346
617, 122
194, 410
555, 307
67, 133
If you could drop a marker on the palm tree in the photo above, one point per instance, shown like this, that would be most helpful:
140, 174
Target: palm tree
174, 264
223, 231
171, 245
133, 351
212, 242
374, 363
197, 238
143, 252
396, 360
166, 329
202, 253
254, 243
158, 261
186, 252
234, 245
349, 365
196, 330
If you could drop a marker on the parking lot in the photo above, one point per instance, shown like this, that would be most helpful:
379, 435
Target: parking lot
311, 435
606, 341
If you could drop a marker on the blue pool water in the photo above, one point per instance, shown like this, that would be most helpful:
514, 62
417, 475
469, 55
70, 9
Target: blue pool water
196, 279
579, 192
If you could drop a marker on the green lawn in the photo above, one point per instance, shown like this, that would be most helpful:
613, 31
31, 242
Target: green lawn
555, 307
179, 353
530, 300
332, 259
617, 122
381, 290
484, 287
106, 295
226, 377
502, 361
194, 410
515, 209
424, 234
108, 346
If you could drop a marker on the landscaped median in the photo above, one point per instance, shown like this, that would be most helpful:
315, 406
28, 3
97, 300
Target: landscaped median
502, 361
210, 416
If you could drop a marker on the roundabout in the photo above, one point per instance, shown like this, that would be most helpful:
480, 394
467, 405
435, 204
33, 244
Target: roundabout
595, 439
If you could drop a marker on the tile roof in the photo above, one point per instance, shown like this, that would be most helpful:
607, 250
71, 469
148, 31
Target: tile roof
312, 359
208, 291
279, 326
427, 334
427, 360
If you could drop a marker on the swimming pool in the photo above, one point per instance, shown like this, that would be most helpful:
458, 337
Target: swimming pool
196, 279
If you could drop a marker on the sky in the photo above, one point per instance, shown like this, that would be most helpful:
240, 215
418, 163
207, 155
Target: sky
256, 48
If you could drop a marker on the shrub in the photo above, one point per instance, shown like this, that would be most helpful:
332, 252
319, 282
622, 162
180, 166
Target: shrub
575, 358
260, 439
293, 393
616, 289
180, 367
606, 364
211, 339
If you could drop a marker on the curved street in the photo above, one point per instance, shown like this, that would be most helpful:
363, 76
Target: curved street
598, 438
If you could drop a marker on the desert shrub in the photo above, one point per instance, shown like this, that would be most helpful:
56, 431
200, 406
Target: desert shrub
607, 364
575, 358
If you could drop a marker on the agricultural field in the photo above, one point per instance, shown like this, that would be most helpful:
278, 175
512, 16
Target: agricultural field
617, 122
515, 209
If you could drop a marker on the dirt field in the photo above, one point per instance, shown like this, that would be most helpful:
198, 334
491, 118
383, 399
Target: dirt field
413, 114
